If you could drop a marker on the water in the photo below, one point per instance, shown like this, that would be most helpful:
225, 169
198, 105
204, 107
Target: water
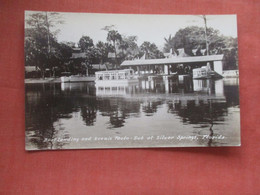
147, 114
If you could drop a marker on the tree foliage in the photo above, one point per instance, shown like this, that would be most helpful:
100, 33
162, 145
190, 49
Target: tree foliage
169, 44
150, 50
130, 47
115, 38
85, 43
193, 37
102, 51
41, 47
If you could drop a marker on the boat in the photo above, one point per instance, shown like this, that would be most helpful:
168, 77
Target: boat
77, 78
231, 73
115, 78
204, 72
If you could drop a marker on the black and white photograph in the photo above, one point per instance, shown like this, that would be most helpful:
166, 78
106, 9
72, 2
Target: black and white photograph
97, 80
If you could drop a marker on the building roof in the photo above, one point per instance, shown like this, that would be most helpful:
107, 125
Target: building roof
30, 68
182, 53
76, 49
111, 55
178, 60
113, 71
78, 55
170, 55
99, 66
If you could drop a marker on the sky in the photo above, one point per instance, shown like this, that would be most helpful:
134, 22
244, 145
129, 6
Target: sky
152, 28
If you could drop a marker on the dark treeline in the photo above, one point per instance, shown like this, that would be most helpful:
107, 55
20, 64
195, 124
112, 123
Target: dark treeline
51, 58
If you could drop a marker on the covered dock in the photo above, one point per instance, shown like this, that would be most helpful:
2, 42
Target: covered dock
167, 64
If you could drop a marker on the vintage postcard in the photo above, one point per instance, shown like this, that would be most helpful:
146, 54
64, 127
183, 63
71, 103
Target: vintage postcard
130, 81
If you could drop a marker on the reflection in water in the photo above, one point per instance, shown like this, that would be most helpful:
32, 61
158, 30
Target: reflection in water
151, 107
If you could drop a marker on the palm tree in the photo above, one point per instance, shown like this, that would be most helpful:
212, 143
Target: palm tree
169, 43
102, 51
206, 33
114, 37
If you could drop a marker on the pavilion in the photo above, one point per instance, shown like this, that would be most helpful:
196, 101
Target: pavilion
150, 65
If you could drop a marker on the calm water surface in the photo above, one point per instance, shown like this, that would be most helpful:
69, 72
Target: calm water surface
149, 113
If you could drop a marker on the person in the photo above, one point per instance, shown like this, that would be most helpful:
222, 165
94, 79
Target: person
208, 67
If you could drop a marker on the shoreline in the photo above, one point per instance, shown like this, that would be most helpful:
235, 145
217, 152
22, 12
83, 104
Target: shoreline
45, 80
226, 74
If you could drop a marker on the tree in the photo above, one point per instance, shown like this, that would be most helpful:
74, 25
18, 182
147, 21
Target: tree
82, 64
102, 51
40, 42
85, 43
169, 44
189, 38
150, 50
230, 54
64, 53
70, 44
206, 33
193, 37
129, 47
115, 38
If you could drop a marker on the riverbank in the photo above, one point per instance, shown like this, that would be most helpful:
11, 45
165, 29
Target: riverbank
70, 79
226, 74
41, 80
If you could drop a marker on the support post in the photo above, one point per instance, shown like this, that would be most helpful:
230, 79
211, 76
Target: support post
138, 69
218, 67
166, 71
